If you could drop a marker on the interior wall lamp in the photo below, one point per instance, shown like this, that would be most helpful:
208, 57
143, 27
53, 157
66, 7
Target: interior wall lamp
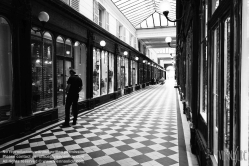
125, 53
102, 43
165, 7
43, 18
136, 58
143, 61
168, 40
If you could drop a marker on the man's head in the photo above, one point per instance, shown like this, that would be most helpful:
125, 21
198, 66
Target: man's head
72, 71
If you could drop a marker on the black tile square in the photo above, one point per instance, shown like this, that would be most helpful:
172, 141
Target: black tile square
152, 132
116, 134
168, 138
96, 154
120, 130
77, 137
168, 144
166, 161
94, 138
32, 140
85, 132
47, 135
167, 152
150, 136
111, 164
51, 141
66, 143
86, 144
61, 136
124, 148
113, 139
88, 163
129, 141
141, 158
38, 148
119, 156
145, 150
133, 135
148, 143
105, 146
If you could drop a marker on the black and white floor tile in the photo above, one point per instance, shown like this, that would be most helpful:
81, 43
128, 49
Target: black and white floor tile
142, 128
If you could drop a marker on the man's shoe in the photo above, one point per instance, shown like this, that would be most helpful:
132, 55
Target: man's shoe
65, 125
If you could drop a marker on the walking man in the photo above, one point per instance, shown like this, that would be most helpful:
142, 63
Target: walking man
74, 86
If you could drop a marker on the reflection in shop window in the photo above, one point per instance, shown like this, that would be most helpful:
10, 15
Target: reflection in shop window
111, 73
118, 71
126, 72
42, 71
104, 72
80, 66
5, 70
68, 47
215, 4
96, 72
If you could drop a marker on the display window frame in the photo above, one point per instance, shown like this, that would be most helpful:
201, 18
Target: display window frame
44, 91
9, 110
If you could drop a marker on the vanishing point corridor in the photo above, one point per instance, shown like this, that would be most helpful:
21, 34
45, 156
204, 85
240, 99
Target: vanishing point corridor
143, 128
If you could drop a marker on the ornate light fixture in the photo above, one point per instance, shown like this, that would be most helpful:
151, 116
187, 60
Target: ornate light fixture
43, 18
168, 40
136, 58
125, 53
165, 7
102, 43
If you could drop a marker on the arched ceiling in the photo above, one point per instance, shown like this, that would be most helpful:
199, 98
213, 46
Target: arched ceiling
145, 13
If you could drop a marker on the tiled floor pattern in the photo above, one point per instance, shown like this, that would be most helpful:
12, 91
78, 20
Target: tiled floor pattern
140, 129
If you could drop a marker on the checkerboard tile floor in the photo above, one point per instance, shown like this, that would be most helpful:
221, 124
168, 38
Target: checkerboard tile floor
138, 129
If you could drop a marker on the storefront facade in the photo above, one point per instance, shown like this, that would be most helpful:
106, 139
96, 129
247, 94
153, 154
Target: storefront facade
35, 63
209, 57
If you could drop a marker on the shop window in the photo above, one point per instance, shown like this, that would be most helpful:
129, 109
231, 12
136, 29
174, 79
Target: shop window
111, 73
126, 72
131, 72
215, 5
59, 46
80, 60
134, 73
68, 47
104, 72
42, 71
118, 71
244, 84
141, 73
216, 91
96, 72
5, 71
122, 73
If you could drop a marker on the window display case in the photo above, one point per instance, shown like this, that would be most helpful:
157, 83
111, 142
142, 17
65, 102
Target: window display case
96, 72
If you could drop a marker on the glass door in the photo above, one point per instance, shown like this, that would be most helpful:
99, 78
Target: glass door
62, 77
122, 79
216, 91
226, 88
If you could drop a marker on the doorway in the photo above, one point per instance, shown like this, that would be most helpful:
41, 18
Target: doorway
63, 67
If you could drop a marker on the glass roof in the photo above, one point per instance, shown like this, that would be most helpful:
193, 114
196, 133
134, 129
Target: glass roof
145, 13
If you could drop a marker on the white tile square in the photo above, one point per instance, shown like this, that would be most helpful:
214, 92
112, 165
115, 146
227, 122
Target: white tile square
132, 153
154, 155
136, 145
